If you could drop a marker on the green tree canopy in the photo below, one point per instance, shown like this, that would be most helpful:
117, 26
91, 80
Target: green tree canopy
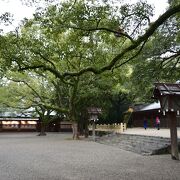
77, 44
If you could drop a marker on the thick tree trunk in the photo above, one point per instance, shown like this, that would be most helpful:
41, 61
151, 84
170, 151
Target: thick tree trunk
86, 131
42, 130
75, 130
72, 106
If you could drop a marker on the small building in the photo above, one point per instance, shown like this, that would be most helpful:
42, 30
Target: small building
12, 120
28, 120
18, 124
148, 112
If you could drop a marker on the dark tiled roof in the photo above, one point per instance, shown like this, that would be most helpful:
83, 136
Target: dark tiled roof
146, 107
13, 113
138, 107
162, 89
94, 110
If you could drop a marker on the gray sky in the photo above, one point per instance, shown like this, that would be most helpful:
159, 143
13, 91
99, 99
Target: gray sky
20, 11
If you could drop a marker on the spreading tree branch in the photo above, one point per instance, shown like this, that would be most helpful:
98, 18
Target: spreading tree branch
141, 39
44, 58
46, 68
29, 86
42, 103
102, 29
135, 44
131, 58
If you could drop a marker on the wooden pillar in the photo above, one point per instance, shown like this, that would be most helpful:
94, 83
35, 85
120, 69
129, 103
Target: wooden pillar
1, 126
93, 131
58, 126
60, 129
173, 132
19, 126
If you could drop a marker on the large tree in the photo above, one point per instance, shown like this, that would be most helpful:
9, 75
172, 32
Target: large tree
75, 40
24, 91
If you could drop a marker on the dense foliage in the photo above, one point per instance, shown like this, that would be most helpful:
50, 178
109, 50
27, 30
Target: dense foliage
74, 55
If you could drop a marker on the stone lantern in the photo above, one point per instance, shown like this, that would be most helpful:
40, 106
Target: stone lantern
169, 97
93, 117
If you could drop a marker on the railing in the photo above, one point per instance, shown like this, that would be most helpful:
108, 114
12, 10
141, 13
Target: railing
118, 128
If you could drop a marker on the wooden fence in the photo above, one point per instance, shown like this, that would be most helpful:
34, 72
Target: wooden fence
118, 128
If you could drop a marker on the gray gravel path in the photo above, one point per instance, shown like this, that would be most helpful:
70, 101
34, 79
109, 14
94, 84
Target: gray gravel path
163, 132
25, 156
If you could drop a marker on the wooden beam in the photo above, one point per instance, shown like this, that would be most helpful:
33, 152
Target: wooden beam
173, 132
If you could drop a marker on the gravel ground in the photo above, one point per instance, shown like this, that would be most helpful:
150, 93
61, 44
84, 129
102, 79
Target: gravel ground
163, 132
25, 156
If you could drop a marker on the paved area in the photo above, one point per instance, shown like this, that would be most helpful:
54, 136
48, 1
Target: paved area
151, 132
25, 156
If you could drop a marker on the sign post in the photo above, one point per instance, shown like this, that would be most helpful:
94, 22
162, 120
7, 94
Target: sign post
169, 96
173, 132
93, 129
93, 113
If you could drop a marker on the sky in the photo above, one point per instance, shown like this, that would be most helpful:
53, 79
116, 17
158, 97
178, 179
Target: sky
20, 10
